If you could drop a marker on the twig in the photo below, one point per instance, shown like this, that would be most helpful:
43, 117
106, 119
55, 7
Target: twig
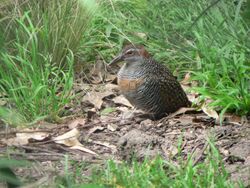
193, 150
27, 131
44, 158
199, 157
41, 150
46, 154
184, 144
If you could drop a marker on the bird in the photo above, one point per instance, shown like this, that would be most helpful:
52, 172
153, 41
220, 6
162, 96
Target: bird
147, 84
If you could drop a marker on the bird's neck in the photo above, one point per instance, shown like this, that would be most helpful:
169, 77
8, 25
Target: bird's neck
132, 68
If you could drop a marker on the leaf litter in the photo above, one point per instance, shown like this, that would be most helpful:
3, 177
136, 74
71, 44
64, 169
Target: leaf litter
99, 128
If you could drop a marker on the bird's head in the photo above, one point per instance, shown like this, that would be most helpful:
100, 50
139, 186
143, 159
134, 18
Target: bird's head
131, 53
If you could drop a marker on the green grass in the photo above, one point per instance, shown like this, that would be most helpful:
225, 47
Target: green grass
156, 173
161, 173
149, 173
34, 85
6, 173
40, 40
215, 47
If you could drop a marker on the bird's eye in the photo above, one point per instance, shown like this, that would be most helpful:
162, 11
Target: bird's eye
129, 52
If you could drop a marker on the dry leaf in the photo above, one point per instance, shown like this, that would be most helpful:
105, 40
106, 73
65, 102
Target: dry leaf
193, 97
80, 147
122, 100
23, 138
181, 111
224, 151
173, 150
122, 109
112, 127
110, 77
96, 97
186, 79
147, 122
186, 82
211, 113
77, 122
95, 129
70, 139
106, 144
15, 141
111, 87
170, 150
189, 135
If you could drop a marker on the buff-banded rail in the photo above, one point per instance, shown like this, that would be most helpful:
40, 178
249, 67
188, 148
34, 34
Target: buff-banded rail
147, 84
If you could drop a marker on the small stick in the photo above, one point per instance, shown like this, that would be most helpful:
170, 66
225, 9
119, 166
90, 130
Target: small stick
184, 144
27, 131
41, 150
199, 157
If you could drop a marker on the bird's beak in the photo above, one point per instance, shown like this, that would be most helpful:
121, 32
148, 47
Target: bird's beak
117, 59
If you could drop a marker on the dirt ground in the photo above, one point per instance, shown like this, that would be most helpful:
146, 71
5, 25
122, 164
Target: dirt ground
101, 125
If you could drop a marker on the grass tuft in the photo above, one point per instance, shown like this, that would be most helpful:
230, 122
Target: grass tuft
161, 173
40, 40
155, 173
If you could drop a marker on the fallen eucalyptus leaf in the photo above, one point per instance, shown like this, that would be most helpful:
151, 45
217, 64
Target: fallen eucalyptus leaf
96, 97
122, 100
76, 122
70, 139
23, 138
211, 113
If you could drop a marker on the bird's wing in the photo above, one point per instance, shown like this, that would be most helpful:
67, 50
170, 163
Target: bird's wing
171, 93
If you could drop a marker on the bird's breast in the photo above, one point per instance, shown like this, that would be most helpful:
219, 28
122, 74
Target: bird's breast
128, 85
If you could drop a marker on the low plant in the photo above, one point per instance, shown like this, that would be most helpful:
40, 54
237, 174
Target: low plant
158, 173
7, 174
40, 40
32, 84
209, 39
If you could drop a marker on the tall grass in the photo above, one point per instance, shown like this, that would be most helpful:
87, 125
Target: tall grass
222, 47
212, 43
48, 34
41, 39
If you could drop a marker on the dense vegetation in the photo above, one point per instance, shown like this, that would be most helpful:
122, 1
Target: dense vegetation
211, 43
42, 41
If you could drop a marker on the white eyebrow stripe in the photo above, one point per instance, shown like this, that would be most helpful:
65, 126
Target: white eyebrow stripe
132, 50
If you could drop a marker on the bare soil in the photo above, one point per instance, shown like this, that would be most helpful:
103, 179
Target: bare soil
116, 134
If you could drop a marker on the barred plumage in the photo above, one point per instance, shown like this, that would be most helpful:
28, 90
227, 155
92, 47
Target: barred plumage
148, 85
